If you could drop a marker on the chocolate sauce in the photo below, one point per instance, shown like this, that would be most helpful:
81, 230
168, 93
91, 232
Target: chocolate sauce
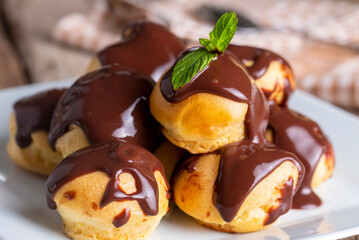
296, 133
146, 47
242, 166
284, 205
262, 58
108, 104
224, 77
113, 159
122, 218
34, 113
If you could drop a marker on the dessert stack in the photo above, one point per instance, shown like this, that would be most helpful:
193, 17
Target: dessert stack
207, 127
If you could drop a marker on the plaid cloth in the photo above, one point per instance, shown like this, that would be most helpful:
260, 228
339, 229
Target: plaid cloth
295, 29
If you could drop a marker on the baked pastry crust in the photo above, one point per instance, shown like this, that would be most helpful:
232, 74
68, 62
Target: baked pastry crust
193, 194
38, 157
201, 123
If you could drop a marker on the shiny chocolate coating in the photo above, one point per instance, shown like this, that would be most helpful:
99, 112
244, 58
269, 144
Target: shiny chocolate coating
146, 47
224, 77
285, 203
297, 134
122, 218
242, 166
112, 158
34, 113
261, 59
108, 104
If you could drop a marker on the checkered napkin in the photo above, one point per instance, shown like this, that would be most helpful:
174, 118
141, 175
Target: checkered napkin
286, 27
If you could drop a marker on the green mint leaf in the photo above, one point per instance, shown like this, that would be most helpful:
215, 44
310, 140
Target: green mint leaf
225, 30
189, 66
222, 33
208, 44
197, 60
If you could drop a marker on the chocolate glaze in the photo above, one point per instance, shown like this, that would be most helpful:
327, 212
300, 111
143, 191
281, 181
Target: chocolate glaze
113, 159
296, 133
108, 104
34, 113
146, 47
122, 218
224, 77
242, 166
284, 205
262, 58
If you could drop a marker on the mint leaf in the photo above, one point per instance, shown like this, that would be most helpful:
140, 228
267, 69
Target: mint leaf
222, 33
208, 44
189, 66
197, 60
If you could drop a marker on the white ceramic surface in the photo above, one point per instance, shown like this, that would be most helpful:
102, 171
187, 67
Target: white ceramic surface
24, 214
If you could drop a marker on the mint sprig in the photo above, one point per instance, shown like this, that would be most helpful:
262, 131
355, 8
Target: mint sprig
189, 66
197, 60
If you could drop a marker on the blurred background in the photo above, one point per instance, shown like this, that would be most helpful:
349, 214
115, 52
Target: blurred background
46, 40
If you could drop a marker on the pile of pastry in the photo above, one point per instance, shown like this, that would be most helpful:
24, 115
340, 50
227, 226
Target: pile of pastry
207, 127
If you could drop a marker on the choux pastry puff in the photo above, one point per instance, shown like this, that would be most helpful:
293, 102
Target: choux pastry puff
113, 190
145, 47
28, 145
108, 104
270, 72
219, 106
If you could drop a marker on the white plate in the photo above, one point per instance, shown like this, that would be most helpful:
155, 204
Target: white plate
24, 213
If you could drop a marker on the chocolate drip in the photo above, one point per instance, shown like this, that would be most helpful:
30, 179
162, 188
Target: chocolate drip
261, 58
113, 159
34, 113
122, 218
243, 165
146, 47
108, 104
296, 133
284, 205
224, 77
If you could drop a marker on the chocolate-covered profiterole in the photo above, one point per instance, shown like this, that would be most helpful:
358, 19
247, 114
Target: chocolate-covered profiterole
146, 47
242, 166
297, 134
224, 77
108, 104
113, 159
257, 61
34, 113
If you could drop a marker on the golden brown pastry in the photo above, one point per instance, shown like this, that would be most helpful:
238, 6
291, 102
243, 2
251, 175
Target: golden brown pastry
270, 72
220, 105
146, 47
109, 191
169, 155
105, 105
28, 145
243, 187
